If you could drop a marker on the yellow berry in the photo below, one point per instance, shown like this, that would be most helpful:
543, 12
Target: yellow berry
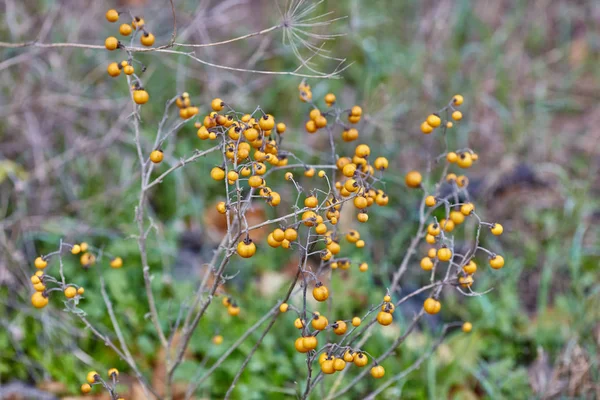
40, 263
112, 15
91, 376
496, 261
497, 229
116, 262
147, 39
432, 306
38, 300
140, 96
413, 179
125, 29
156, 156
430, 201
377, 372
426, 128
111, 43
70, 292
434, 120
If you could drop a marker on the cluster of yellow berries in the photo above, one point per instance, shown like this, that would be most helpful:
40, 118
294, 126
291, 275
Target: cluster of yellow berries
138, 23
40, 280
434, 120
318, 120
327, 360
186, 109
140, 96
232, 308
456, 214
93, 378
464, 159
283, 238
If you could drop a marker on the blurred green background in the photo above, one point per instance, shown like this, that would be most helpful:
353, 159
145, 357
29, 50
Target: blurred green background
528, 72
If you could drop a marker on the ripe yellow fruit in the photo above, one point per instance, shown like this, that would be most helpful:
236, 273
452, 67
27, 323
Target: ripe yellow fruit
328, 367
91, 376
470, 268
432, 306
361, 359
467, 209
433, 229
217, 339
311, 202
125, 29
430, 201
283, 307
339, 364
497, 229
363, 267
113, 69
147, 39
291, 234
356, 321
70, 292
39, 287
233, 310
457, 217
348, 356
80, 291
113, 371
38, 300
384, 318
457, 115
298, 323
116, 262
356, 111
465, 160
156, 156
340, 327
320, 292
444, 254
457, 100
451, 157
467, 327
266, 122
246, 248
140, 96
310, 342
362, 151
426, 264
319, 322
381, 163
86, 388
496, 262
413, 179
218, 174
299, 345
434, 120
377, 372
40, 263
111, 43
426, 128
112, 15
